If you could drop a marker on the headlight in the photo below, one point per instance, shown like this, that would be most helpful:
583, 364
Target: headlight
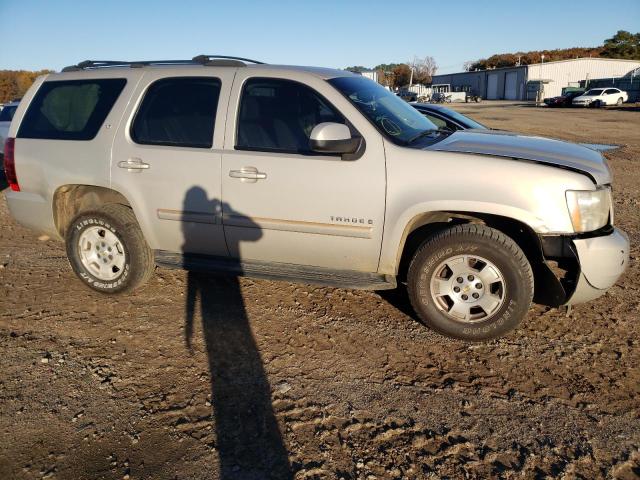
589, 209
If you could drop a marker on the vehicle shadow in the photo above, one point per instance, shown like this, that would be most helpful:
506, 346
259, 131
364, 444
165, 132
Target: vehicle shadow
248, 438
399, 299
3, 181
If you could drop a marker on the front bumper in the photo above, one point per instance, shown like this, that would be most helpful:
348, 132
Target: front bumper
602, 261
588, 264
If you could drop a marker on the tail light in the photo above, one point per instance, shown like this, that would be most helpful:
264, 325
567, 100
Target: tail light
10, 164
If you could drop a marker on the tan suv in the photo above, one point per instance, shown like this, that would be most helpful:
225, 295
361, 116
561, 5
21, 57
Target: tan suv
306, 174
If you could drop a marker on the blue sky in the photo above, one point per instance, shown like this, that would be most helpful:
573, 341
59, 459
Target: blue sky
53, 33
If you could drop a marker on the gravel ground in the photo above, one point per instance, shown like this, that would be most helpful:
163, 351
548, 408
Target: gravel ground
215, 377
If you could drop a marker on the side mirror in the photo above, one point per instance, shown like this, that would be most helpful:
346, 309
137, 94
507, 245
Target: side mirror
329, 137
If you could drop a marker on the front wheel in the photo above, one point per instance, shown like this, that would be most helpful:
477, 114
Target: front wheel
470, 282
107, 250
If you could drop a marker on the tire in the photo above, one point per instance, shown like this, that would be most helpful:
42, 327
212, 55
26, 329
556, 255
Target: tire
122, 262
620, 101
431, 286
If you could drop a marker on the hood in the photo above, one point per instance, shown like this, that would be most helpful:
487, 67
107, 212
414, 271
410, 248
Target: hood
523, 147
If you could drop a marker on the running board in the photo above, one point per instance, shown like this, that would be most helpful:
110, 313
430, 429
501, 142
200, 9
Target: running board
277, 271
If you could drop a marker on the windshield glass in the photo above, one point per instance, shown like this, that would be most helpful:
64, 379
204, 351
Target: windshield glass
391, 115
6, 114
595, 91
463, 119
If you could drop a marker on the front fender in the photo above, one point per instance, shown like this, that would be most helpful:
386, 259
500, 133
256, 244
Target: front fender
421, 183
396, 233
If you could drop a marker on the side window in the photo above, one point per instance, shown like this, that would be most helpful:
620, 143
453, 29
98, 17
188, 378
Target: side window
279, 115
178, 112
7, 113
439, 122
70, 109
610, 91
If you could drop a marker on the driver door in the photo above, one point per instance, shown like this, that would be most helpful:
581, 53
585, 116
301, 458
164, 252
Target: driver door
310, 208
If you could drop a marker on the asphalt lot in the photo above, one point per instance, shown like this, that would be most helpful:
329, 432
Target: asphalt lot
215, 377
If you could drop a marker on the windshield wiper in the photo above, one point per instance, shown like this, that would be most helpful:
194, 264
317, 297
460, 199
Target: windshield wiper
427, 132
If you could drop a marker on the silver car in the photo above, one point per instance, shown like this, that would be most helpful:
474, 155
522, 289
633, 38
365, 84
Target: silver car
312, 175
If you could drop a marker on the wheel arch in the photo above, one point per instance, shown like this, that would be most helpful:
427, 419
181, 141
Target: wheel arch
548, 289
71, 200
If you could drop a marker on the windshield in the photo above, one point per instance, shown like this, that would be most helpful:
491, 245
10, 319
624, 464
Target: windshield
595, 91
6, 114
391, 115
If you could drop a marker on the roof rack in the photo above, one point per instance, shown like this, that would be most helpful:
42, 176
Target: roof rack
206, 60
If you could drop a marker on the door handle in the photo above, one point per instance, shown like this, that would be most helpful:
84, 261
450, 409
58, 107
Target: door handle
248, 174
134, 165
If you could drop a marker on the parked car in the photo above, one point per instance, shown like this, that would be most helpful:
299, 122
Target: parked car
408, 96
601, 97
6, 114
565, 100
472, 97
294, 173
444, 117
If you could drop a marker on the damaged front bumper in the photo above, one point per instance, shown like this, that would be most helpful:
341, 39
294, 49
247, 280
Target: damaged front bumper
593, 263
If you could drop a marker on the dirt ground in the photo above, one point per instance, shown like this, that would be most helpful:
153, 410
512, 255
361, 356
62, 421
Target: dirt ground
212, 377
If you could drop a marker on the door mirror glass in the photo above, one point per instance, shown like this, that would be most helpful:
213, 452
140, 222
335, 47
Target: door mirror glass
329, 137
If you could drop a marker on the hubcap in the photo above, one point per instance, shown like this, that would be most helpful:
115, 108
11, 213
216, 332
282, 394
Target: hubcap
468, 288
102, 253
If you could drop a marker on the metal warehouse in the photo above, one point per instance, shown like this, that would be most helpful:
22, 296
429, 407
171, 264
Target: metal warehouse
527, 82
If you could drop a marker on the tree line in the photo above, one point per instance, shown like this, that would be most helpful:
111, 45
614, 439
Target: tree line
417, 71
623, 45
15, 83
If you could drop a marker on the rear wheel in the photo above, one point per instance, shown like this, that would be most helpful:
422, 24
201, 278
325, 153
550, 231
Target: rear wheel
470, 282
107, 250
620, 101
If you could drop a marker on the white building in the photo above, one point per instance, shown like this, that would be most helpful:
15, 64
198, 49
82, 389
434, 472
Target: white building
372, 74
523, 82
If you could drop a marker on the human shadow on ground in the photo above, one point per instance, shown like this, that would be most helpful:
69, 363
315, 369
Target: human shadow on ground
248, 439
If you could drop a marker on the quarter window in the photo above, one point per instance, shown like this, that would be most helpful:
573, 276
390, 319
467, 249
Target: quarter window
279, 115
178, 112
70, 109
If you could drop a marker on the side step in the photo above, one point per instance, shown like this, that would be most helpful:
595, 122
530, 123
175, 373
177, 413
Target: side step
277, 271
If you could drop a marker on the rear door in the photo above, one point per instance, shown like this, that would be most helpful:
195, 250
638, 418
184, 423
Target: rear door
166, 158
302, 207
611, 96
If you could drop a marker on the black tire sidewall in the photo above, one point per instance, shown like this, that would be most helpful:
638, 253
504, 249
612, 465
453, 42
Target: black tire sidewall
518, 287
98, 219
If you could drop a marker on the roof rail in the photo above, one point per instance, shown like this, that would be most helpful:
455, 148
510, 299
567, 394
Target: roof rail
206, 60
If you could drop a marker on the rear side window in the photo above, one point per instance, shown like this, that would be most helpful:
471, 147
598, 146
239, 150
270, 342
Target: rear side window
178, 112
71, 109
